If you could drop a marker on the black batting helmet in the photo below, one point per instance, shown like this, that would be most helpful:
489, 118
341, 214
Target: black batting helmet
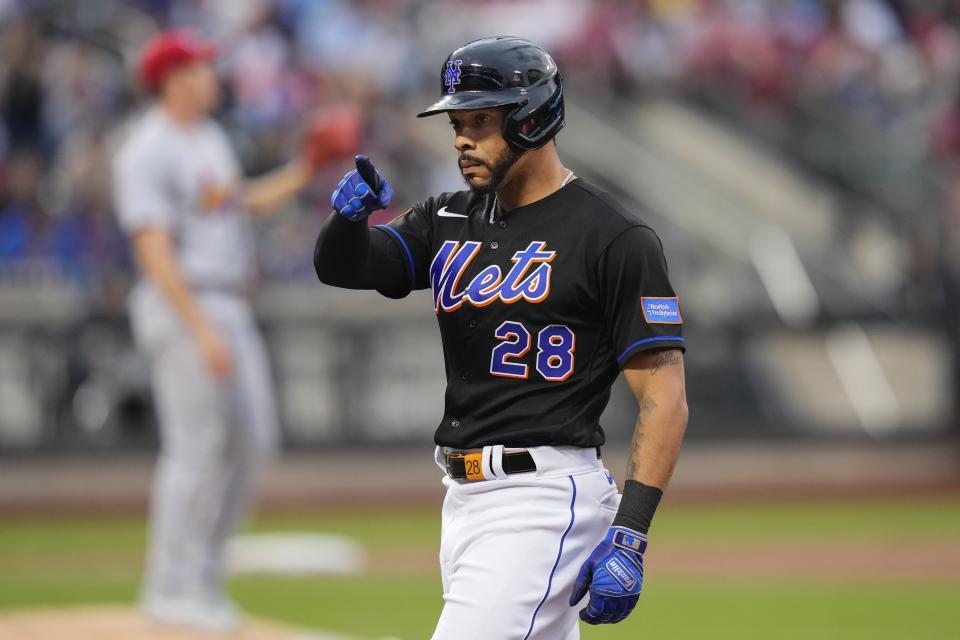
505, 71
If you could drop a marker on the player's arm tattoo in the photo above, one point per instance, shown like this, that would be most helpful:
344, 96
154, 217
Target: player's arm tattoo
665, 358
659, 360
647, 405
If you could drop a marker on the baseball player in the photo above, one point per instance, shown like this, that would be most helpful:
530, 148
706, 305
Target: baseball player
545, 288
181, 198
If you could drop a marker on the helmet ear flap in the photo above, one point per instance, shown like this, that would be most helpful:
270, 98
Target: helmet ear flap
512, 122
532, 128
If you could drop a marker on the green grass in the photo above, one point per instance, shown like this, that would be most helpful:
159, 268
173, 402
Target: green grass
51, 562
841, 520
407, 608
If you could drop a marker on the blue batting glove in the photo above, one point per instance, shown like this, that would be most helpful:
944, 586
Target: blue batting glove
361, 192
614, 575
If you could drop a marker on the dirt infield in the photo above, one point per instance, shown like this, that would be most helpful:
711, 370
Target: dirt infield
124, 623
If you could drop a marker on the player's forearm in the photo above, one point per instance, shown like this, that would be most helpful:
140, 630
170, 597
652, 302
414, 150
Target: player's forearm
657, 380
156, 259
348, 255
181, 299
266, 194
657, 437
341, 253
656, 446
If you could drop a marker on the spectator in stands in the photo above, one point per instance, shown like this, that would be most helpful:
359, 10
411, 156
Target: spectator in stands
21, 90
25, 227
61, 78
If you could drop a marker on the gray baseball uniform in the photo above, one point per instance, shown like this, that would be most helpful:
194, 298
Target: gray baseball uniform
215, 434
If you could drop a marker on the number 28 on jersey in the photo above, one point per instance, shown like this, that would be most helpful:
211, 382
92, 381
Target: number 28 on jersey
527, 279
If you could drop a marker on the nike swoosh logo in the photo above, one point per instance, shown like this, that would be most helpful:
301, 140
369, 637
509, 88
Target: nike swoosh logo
443, 213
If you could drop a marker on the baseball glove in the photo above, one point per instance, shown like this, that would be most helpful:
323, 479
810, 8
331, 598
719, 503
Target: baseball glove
331, 136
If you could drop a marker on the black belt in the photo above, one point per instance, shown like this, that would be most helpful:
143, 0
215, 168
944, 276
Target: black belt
468, 465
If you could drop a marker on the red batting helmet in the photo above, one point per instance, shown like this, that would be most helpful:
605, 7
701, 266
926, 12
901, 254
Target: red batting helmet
168, 50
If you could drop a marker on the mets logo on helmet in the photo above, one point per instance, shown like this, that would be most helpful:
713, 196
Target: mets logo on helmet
451, 75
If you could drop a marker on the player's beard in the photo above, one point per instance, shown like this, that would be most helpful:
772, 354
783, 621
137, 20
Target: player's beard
498, 170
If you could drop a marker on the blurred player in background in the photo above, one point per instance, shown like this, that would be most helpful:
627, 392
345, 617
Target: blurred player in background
181, 198
545, 289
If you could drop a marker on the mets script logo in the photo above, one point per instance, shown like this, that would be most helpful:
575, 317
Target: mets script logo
528, 279
451, 75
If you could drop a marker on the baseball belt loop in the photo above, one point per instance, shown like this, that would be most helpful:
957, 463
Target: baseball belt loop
439, 457
496, 462
485, 462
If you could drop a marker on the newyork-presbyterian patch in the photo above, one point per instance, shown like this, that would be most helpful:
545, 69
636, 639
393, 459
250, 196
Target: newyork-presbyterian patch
661, 310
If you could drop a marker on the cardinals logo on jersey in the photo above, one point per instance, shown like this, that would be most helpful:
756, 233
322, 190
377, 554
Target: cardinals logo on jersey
528, 279
215, 197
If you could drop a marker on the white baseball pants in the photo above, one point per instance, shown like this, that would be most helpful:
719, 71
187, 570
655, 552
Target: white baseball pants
511, 546
215, 435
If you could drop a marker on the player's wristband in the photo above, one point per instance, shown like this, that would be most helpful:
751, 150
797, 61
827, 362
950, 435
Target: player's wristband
637, 506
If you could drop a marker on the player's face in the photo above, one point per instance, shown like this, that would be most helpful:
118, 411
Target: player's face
197, 82
484, 156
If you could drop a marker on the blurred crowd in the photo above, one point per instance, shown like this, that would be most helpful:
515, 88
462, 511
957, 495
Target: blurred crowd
869, 58
67, 89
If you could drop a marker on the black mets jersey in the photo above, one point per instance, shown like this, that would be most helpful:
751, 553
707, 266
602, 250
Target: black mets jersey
539, 309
